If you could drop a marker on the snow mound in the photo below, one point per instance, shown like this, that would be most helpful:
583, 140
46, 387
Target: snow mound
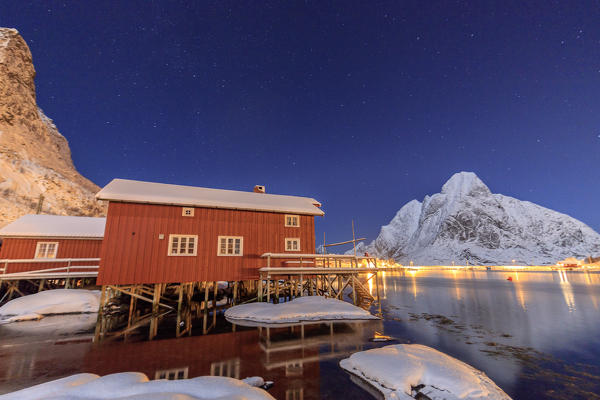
49, 302
397, 370
311, 308
136, 386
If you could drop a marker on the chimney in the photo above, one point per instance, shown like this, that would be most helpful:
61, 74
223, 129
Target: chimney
259, 189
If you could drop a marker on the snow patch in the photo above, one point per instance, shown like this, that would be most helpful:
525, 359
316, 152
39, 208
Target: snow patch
49, 302
40, 225
137, 386
396, 371
311, 308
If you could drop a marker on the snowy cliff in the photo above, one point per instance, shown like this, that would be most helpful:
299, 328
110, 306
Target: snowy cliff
35, 158
466, 222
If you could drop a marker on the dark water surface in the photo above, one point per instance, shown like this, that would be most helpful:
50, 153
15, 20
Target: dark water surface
537, 336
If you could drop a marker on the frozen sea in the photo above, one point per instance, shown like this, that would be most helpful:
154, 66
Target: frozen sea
537, 337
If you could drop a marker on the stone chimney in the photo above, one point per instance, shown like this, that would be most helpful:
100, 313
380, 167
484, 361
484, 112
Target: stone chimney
259, 189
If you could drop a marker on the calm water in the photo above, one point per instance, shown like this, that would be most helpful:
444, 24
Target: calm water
537, 336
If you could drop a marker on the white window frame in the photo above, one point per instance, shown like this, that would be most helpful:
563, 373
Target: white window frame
288, 240
241, 238
228, 368
45, 254
172, 374
184, 211
292, 216
179, 237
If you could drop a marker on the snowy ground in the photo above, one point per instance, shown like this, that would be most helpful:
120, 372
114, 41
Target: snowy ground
49, 302
310, 308
136, 386
397, 371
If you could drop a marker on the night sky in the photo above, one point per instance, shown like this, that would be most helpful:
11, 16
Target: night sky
361, 105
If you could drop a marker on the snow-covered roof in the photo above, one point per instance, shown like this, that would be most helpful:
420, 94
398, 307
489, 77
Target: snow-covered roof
39, 225
130, 191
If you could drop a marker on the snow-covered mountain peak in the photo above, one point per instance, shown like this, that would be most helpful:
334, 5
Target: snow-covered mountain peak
465, 184
467, 223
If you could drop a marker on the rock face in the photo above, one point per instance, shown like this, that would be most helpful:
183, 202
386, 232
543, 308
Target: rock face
35, 158
468, 223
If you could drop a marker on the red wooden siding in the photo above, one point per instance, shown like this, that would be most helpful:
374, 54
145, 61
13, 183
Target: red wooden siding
132, 252
24, 248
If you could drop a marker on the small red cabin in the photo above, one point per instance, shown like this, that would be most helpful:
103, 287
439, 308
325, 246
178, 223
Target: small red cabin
161, 233
49, 237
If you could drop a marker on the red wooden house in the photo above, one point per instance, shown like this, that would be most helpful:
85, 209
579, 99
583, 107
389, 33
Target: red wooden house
161, 233
47, 238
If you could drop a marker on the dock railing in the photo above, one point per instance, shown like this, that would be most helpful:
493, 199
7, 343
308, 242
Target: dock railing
325, 260
67, 271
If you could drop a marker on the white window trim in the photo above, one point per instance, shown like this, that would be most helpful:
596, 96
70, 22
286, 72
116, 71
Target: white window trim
173, 372
230, 237
195, 237
292, 239
190, 209
38, 245
291, 215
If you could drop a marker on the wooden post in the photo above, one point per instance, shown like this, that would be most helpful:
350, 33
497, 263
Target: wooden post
268, 288
276, 300
353, 290
214, 302
260, 287
205, 297
98, 333
353, 238
301, 284
41, 287
179, 301
235, 293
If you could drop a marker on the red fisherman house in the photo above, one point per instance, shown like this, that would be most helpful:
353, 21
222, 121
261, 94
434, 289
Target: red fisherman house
161, 233
49, 241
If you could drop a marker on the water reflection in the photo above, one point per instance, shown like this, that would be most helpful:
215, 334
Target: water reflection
551, 312
479, 317
288, 355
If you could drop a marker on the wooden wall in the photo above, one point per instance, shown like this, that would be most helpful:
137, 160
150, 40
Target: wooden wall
133, 253
24, 248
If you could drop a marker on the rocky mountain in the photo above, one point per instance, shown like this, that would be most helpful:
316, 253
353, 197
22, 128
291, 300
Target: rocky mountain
466, 222
35, 158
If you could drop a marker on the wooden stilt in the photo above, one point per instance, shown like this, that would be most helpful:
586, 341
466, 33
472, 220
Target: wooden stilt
42, 283
214, 302
98, 333
235, 292
205, 297
354, 289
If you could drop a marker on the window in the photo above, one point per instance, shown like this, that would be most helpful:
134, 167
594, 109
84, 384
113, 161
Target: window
292, 244
172, 374
187, 212
227, 368
231, 246
292, 220
46, 249
182, 245
294, 394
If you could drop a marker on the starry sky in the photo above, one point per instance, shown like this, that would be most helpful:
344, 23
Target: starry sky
363, 105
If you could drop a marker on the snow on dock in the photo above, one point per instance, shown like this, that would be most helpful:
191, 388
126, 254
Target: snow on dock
404, 371
311, 308
137, 386
50, 302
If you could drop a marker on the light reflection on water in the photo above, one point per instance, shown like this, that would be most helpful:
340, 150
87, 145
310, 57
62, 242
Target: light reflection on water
479, 317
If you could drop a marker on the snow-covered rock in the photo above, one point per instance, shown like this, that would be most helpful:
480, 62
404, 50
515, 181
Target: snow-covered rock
49, 302
466, 222
35, 158
398, 371
310, 308
137, 386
